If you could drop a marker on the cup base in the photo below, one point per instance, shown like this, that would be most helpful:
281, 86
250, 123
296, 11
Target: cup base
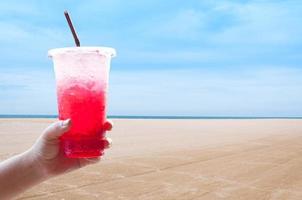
84, 154
82, 148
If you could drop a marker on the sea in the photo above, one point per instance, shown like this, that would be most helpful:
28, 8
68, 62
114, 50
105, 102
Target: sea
154, 117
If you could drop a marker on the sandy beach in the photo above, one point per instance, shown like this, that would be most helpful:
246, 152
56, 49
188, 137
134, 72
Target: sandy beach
177, 159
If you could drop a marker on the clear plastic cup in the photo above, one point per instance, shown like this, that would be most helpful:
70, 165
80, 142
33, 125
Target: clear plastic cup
82, 75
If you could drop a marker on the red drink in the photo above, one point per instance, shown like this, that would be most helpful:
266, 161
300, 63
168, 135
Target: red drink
82, 83
86, 109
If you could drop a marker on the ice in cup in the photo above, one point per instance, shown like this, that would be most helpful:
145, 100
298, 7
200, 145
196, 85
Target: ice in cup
82, 83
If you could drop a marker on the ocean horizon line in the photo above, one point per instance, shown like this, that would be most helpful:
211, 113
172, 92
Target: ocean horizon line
155, 117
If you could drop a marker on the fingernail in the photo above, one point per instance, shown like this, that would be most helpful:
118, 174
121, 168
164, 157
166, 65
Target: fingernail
66, 123
109, 142
108, 126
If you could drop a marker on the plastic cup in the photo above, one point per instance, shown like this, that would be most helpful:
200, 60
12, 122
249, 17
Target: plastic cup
82, 75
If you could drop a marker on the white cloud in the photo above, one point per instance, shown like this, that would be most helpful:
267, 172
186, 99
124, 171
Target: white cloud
163, 57
27, 92
11, 32
16, 33
184, 24
148, 32
228, 22
255, 92
261, 23
18, 8
245, 91
28, 44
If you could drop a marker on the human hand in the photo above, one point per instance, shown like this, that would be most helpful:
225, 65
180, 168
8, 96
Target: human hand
48, 157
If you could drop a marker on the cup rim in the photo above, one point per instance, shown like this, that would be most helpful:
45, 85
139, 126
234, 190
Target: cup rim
108, 51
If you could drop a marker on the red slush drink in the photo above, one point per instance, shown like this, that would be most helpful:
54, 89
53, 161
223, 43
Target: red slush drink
82, 82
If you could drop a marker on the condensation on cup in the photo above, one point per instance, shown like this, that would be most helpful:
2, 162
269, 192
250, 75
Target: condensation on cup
82, 75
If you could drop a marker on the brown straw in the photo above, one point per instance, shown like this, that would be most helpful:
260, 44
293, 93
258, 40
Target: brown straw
74, 34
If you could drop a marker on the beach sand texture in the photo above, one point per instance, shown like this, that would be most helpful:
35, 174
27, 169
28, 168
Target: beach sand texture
177, 159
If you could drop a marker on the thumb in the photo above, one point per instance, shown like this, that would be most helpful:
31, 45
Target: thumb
55, 130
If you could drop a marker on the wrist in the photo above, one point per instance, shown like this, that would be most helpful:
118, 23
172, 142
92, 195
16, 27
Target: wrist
20, 173
34, 166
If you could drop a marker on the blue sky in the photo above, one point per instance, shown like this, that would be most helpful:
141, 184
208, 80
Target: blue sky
206, 58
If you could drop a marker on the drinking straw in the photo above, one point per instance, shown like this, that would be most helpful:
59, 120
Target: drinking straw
74, 34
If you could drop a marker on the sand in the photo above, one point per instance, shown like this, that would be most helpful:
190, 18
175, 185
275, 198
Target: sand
177, 159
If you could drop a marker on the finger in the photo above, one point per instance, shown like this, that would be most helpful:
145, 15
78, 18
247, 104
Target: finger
108, 125
107, 143
82, 162
93, 160
55, 130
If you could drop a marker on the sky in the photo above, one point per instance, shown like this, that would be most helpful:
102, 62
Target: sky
184, 58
